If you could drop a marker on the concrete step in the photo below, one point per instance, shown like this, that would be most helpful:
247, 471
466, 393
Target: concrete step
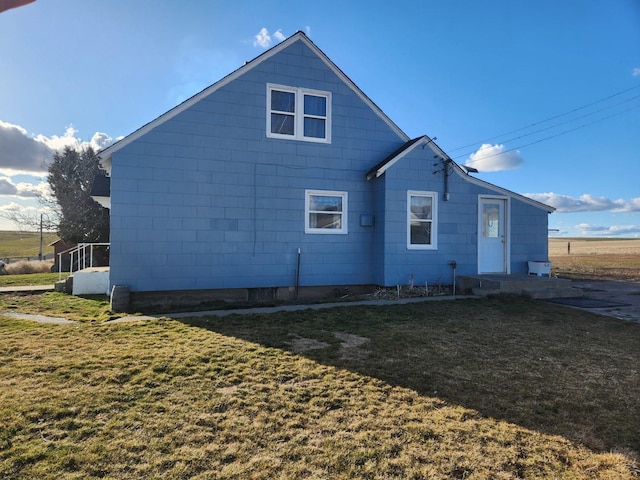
533, 286
546, 294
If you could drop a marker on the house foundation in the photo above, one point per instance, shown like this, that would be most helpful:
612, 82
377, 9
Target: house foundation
123, 300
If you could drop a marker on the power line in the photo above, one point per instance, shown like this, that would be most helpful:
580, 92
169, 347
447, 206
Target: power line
564, 132
570, 120
550, 119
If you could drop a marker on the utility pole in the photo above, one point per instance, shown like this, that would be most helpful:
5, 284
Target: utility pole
40, 254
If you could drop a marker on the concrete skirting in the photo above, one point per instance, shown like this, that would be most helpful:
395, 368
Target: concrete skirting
168, 300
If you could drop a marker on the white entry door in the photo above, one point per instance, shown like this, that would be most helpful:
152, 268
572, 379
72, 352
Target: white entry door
492, 235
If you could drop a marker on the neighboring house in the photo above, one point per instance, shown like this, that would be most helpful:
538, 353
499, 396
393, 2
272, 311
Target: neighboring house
285, 174
61, 257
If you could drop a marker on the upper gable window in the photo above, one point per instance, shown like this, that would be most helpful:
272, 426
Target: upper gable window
298, 114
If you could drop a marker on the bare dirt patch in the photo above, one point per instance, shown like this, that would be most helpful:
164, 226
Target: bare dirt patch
301, 344
350, 347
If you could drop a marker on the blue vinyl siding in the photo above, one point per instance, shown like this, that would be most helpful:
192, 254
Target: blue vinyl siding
529, 236
205, 200
457, 225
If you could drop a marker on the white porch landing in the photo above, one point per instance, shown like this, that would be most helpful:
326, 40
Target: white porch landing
91, 281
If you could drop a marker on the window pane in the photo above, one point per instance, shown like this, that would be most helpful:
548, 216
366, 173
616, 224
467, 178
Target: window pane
282, 124
283, 101
491, 220
421, 207
315, 106
325, 220
320, 203
420, 233
314, 127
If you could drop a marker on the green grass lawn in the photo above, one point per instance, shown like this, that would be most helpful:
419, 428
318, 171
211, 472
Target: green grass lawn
30, 279
88, 308
25, 244
501, 388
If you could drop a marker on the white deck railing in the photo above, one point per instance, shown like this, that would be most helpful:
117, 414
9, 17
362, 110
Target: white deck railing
79, 254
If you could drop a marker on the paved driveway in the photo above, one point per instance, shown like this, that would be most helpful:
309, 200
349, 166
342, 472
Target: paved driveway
611, 298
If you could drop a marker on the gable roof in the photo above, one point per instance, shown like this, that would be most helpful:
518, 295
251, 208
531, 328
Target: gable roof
424, 140
105, 155
385, 164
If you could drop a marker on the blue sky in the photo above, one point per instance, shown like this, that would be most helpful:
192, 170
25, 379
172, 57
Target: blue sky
562, 76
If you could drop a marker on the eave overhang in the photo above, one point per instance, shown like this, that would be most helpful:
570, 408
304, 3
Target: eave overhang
425, 141
394, 157
101, 190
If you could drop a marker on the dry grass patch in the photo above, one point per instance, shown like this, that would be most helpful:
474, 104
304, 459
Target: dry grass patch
476, 389
28, 267
600, 259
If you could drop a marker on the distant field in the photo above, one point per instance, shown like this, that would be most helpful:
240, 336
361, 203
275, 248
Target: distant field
25, 244
598, 258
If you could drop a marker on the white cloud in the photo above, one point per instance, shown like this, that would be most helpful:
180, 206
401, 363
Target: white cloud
28, 209
14, 208
7, 187
494, 158
263, 38
21, 153
615, 230
585, 203
24, 153
23, 189
19, 208
636, 72
39, 190
633, 205
70, 139
100, 141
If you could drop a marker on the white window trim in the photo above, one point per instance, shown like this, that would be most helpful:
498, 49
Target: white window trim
326, 231
298, 114
434, 220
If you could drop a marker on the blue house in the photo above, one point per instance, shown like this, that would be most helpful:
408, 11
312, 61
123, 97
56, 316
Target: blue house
283, 175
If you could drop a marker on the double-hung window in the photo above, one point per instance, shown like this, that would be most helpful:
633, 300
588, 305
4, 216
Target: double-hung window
325, 212
422, 220
298, 114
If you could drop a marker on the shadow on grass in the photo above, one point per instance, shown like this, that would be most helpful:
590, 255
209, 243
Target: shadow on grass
548, 368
